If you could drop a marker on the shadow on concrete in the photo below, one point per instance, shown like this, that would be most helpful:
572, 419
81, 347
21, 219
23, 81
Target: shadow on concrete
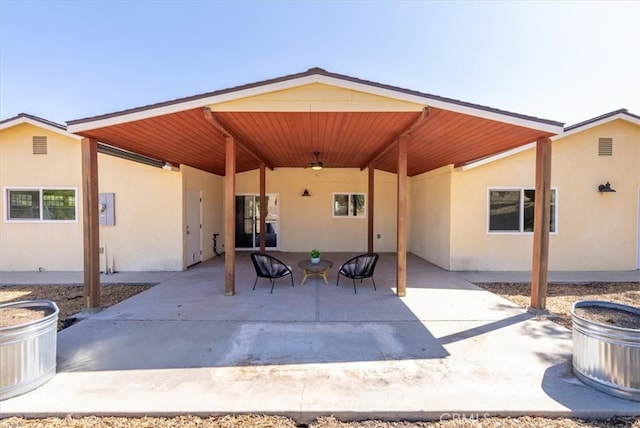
187, 322
484, 328
564, 387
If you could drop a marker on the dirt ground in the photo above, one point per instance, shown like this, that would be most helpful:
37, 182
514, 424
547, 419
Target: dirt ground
559, 301
560, 297
68, 298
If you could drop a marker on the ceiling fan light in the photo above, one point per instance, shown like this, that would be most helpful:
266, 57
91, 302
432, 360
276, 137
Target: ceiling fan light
316, 165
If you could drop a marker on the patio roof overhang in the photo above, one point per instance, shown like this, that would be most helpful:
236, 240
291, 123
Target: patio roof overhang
281, 122
356, 127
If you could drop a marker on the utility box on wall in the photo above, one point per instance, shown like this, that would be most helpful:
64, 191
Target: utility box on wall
107, 209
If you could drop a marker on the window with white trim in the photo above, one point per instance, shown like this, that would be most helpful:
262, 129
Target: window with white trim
512, 210
41, 204
349, 205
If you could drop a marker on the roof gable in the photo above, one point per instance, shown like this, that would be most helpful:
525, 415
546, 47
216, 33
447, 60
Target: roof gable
282, 122
318, 97
621, 114
24, 118
312, 76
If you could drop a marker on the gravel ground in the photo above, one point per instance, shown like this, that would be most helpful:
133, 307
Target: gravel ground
261, 421
559, 301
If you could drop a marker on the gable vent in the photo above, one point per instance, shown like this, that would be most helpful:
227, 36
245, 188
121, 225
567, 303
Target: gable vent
605, 147
39, 145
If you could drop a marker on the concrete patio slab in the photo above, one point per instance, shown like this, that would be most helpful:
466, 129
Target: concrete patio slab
560, 277
448, 347
75, 277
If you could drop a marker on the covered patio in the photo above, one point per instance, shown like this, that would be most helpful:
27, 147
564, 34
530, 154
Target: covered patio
282, 122
448, 348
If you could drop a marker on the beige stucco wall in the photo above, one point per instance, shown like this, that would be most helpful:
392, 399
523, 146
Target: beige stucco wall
447, 214
307, 222
148, 226
34, 245
430, 214
212, 188
472, 248
316, 97
595, 231
148, 234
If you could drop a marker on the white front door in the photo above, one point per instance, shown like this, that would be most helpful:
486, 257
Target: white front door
193, 231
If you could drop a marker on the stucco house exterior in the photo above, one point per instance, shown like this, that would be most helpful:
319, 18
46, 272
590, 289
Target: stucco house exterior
151, 206
41, 227
482, 217
460, 216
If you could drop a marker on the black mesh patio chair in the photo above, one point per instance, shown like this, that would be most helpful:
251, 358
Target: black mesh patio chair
359, 267
269, 267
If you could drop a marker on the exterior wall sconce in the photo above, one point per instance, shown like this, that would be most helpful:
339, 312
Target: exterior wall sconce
306, 193
168, 166
605, 188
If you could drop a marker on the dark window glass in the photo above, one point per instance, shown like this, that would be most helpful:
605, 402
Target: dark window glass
58, 204
24, 204
506, 206
504, 210
358, 205
340, 205
528, 204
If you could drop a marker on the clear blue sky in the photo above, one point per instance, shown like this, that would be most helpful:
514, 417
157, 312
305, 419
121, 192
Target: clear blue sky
566, 61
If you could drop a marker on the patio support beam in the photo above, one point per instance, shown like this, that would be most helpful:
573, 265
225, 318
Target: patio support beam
90, 224
263, 208
230, 217
388, 145
371, 189
541, 222
402, 219
208, 115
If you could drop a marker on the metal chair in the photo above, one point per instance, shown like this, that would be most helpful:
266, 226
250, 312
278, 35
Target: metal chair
359, 267
269, 267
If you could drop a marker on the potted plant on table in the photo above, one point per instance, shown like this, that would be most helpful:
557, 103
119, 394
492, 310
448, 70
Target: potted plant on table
315, 256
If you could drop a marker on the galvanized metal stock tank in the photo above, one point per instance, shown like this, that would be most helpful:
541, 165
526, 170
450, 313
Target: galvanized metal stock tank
607, 357
28, 350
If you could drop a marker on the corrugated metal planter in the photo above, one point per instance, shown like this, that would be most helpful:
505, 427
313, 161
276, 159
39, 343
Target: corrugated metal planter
607, 357
28, 350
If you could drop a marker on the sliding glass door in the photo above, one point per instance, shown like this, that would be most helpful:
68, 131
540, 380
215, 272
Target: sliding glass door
248, 221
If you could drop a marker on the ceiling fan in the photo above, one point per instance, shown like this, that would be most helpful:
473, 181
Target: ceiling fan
316, 165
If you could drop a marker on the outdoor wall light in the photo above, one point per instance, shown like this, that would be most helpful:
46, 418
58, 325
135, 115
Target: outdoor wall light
168, 166
605, 188
306, 193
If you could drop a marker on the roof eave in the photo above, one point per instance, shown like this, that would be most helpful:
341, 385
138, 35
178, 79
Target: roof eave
311, 76
622, 114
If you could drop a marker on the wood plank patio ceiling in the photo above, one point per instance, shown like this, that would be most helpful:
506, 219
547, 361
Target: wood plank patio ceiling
288, 139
